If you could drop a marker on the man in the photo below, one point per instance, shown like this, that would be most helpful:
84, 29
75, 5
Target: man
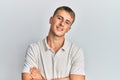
55, 58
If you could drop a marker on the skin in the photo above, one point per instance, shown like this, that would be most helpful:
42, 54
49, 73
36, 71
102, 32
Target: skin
33, 75
60, 25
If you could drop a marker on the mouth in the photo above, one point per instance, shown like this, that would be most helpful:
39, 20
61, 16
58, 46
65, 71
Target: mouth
59, 29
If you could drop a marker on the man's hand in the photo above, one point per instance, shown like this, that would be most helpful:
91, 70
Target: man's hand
35, 74
77, 77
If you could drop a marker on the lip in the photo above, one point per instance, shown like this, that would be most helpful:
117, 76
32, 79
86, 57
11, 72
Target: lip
59, 29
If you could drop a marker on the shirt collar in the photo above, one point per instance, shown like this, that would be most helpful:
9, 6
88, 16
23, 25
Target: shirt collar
64, 47
46, 45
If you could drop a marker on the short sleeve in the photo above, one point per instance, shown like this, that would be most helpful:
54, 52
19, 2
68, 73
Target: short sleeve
30, 60
78, 63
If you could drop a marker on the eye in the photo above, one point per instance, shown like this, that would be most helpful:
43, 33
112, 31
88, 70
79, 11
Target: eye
68, 23
60, 18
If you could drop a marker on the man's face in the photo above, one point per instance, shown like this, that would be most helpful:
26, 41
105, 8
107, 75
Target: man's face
60, 23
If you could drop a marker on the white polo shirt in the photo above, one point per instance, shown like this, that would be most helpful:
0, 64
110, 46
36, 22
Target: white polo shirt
68, 60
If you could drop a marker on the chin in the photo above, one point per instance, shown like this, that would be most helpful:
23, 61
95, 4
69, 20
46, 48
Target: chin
59, 35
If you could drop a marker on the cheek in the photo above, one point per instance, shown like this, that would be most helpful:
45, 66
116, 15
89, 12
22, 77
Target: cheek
67, 29
53, 22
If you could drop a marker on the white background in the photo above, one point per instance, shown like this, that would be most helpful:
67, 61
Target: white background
96, 30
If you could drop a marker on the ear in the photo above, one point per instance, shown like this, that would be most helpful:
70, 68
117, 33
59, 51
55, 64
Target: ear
50, 20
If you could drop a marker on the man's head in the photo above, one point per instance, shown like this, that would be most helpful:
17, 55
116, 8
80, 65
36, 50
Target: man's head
67, 9
61, 21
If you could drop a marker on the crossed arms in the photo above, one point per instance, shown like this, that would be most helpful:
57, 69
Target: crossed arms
35, 75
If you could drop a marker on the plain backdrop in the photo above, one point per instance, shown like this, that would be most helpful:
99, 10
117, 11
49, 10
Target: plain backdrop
96, 30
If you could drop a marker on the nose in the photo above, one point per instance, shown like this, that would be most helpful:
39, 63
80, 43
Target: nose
62, 23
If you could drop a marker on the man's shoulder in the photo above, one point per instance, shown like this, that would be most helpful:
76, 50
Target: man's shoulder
75, 50
36, 44
73, 44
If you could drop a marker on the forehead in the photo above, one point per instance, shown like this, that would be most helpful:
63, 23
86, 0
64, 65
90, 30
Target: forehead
64, 14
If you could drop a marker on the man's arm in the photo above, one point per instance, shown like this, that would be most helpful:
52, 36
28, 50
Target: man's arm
33, 75
26, 76
77, 77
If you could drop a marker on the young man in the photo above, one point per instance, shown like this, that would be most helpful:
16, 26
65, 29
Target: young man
55, 58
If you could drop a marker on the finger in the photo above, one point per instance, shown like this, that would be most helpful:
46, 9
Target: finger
33, 69
35, 73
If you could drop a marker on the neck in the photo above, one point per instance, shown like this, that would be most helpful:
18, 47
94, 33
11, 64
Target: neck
55, 42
